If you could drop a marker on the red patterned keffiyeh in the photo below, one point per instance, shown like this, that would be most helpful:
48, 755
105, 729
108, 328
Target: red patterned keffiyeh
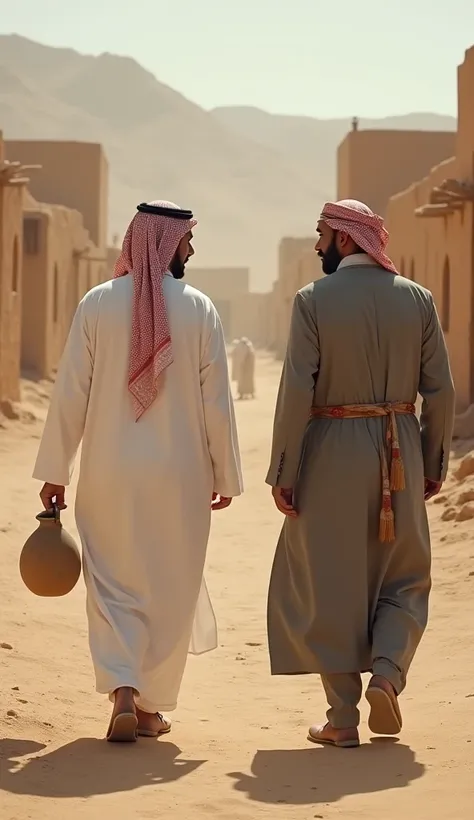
148, 248
362, 225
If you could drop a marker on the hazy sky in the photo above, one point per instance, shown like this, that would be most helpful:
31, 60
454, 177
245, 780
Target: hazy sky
323, 59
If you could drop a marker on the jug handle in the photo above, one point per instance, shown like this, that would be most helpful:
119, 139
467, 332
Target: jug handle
50, 515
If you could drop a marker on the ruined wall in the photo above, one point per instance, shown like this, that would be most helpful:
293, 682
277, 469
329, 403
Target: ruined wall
437, 252
372, 166
60, 265
74, 174
11, 205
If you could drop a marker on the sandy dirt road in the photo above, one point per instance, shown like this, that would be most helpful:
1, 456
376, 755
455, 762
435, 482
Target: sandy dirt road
238, 748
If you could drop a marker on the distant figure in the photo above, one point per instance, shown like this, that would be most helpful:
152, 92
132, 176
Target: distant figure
235, 359
246, 369
144, 383
351, 471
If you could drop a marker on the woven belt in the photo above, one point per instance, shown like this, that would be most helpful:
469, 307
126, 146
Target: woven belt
392, 470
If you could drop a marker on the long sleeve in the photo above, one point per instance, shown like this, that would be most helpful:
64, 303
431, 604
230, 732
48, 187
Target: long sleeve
65, 422
295, 395
437, 389
219, 413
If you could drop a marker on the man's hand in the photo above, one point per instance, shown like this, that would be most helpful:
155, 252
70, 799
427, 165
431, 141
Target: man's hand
50, 492
283, 499
220, 502
432, 488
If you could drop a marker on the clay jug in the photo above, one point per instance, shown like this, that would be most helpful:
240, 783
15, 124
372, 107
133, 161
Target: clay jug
50, 562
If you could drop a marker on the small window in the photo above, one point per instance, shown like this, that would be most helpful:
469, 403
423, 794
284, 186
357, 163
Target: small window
446, 296
15, 266
31, 236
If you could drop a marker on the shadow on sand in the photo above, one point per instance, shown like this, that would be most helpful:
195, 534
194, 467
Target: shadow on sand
326, 775
89, 767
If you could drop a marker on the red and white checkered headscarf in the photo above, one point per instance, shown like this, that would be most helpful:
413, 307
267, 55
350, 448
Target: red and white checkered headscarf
149, 246
362, 225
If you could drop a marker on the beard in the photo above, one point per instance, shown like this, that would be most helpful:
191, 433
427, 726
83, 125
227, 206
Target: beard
331, 258
177, 267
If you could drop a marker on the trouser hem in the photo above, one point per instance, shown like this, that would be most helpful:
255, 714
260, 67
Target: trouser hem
388, 670
343, 693
349, 721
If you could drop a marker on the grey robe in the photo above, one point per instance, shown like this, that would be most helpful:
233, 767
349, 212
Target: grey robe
339, 598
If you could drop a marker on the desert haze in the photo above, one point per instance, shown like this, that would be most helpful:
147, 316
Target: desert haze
251, 177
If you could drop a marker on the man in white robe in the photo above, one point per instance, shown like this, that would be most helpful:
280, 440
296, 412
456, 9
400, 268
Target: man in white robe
144, 383
246, 375
235, 359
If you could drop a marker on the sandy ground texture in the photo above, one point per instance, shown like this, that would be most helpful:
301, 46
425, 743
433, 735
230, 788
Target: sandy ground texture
238, 748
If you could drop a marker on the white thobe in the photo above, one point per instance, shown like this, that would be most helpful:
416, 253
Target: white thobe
144, 491
246, 376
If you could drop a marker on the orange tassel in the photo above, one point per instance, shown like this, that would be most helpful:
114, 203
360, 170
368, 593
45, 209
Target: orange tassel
387, 526
397, 474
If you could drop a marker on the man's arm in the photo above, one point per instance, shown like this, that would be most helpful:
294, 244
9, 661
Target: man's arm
65, 422
295, 395
437, 389
219, 414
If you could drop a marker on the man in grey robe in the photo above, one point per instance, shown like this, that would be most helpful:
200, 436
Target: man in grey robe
351, 469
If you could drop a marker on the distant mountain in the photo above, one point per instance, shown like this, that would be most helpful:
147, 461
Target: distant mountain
311, 144
251, 177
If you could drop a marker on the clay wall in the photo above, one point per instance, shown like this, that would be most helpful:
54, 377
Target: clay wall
437, 252
11, 209
74, 174
374, 165
60, 265
465, 134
